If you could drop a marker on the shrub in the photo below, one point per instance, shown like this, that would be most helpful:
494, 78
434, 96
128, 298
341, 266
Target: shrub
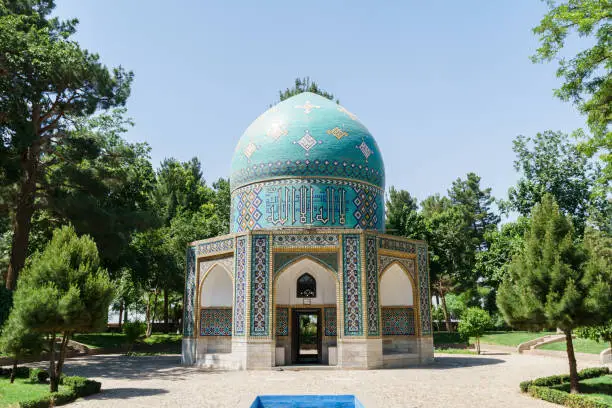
82, 386
133, 331
22, 372
38, 376
585, 374
40, 402
474, 322
64, 396
564, 398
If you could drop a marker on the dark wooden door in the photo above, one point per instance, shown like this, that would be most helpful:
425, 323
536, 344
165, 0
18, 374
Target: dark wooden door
306, 336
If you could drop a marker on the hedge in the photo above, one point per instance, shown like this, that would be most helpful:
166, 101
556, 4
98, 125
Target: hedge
540, 388
564, 378
564, 398
76, 387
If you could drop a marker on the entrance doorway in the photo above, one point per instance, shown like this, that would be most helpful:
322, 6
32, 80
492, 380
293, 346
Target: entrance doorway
306, 330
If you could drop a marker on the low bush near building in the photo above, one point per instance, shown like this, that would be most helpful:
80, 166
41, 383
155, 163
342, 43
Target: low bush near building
74, 387
548, 389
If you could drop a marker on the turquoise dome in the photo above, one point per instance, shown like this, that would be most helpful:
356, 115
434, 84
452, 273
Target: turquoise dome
299, 162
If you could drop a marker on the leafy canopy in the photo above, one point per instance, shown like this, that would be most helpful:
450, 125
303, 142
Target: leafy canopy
587, 76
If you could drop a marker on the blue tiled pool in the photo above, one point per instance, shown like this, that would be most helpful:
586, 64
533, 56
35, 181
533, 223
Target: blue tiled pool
306, 401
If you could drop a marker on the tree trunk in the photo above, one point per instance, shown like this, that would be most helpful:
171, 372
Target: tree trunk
53, 379
478, 345
152, 315
447, 320
574, 386
166, 312
120, 313
22, 222
125, 314
14, 372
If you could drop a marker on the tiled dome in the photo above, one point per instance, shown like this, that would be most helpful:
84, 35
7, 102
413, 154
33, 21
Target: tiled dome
307, 162
307, 135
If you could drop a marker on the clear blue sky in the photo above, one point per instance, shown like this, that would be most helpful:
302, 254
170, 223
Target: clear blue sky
444, 86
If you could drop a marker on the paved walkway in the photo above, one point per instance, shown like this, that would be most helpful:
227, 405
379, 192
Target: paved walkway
489, 380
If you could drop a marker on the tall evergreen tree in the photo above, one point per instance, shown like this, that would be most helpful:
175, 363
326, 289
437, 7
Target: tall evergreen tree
46, 82
554, 282
63, 291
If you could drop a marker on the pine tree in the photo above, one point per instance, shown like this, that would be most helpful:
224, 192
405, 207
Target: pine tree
63, 291
18, 342
554, 282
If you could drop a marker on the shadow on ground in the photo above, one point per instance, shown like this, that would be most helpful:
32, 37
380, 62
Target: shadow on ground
124, 367
126, 393
447, 362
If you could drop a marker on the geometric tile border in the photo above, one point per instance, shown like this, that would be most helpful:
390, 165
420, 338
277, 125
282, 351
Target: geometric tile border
425, 312
331, 325
352, 286
397, 321
190, 285
216, 321
240, 286
259, 286
372, 286
282, 321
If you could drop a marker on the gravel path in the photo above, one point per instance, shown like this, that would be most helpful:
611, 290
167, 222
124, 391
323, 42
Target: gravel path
489, 380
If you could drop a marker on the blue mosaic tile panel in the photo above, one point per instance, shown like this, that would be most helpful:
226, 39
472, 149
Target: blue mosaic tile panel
352, 286
372, 286
282, 321
190, 285
295, 203
240, 286
397, 321
216, 321
304, 240
397, 245
224, 245
259, 286
331, 321
425, 301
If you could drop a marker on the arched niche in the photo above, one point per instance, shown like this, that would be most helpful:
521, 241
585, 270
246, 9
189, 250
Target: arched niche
217, 288
286, 283
396, 288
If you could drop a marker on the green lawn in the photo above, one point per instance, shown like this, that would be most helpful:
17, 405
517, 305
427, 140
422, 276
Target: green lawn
11, 394
580, 346
511, 339
117, 340
599, 388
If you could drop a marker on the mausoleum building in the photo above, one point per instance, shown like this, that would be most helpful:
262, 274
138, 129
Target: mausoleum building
307, 274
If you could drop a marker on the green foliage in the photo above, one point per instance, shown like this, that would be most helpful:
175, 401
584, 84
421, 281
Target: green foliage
449, 338
474, 322
401, 215
553, 283
133, 331
64, 289
586, 76
584, 374
597, 333
563, 398
49, 84
550, 164
38, 376
304, 85
6, 302
18, 341
82, 386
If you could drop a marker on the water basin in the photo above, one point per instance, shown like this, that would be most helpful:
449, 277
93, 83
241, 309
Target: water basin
306, 401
